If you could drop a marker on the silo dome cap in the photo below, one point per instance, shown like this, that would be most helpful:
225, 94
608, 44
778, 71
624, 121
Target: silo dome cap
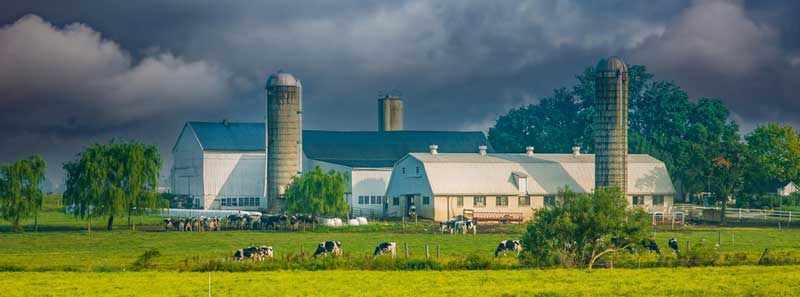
281, 78
612, 64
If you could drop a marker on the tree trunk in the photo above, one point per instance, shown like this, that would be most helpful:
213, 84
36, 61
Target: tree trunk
15, 225
722, 210
110, 222
129, 218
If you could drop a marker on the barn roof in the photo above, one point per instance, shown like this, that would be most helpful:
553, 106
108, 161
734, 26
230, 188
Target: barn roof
547, 173
349, 148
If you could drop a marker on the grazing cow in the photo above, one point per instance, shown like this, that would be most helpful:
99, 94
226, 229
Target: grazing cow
293, 222
386, 248
508, 245
257, 253
326, 247
167, 224
651, 246
673, 244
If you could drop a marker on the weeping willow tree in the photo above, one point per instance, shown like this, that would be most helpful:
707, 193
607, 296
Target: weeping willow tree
20, 193
112, 180
317, 193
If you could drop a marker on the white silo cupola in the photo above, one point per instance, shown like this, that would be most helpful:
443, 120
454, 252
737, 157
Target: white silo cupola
434, 149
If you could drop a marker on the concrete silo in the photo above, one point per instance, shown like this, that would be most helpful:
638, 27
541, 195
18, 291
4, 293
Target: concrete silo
284, 135
611, 123
390, 113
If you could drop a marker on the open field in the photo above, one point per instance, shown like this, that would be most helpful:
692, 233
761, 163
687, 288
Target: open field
118, 249
63, 246
708, 281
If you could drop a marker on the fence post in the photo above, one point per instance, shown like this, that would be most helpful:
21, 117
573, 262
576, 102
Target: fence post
405, 244
427, 252
404, 222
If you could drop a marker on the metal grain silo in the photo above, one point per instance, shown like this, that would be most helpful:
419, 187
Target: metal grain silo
390, 113
284, 135
611, 123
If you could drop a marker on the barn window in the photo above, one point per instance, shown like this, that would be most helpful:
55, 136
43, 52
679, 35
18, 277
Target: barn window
459, 201
550, 200
395, 200
501, 200
480, 201
417, 169
404, 170
426, 200
658, 200
524, 200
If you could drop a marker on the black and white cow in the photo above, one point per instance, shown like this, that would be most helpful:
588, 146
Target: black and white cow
167, 224
327, 247
257, 253
673, 244
651, 246
386, 248
508, 245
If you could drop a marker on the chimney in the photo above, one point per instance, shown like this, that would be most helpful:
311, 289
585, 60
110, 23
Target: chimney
529, 150
576, 151
434, 149
482, 150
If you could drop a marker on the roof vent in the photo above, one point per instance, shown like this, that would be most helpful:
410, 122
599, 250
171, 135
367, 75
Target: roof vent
576, 151
434, 149
482, 150
529, 150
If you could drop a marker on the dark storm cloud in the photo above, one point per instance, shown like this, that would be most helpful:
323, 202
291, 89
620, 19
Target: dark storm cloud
92, 70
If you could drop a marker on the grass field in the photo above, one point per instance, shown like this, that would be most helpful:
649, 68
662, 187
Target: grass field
63, 246
708, 281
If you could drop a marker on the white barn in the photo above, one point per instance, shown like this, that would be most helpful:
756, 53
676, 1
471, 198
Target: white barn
442, 185
222, 165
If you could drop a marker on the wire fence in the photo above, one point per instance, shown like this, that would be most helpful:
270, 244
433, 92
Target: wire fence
738, 214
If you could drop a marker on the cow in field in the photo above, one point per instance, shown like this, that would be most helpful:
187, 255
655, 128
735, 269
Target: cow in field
326, 247
508, 245
386, 248
651, 246
673, 244
167, 224
257, 253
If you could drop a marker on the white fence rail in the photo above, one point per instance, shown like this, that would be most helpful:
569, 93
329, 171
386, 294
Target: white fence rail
744, 213
185, 212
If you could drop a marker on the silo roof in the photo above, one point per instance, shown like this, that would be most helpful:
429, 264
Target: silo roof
612, 64
281, 78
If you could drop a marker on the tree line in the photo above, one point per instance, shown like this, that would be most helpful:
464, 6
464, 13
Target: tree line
697, 140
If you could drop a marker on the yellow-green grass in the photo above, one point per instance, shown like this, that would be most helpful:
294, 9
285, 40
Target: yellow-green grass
708, 281
117, 249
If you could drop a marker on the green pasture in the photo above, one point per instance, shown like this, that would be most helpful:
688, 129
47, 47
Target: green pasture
706, 281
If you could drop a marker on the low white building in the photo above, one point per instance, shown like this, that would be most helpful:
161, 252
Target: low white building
442, 185
787, 189
222, 165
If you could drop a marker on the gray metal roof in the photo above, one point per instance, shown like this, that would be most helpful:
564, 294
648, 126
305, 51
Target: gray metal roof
350, 148
229, 136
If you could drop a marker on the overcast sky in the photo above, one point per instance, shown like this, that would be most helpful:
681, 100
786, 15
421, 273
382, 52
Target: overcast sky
74, 73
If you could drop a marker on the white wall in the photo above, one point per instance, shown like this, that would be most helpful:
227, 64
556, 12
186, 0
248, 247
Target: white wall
233, 174
369, 182
409, 183
186, 175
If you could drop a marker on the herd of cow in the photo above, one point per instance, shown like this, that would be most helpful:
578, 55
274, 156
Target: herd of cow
242, 221
334, 248
459, 224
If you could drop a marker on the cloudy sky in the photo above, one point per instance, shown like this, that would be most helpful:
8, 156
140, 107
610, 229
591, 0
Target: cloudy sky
81, 72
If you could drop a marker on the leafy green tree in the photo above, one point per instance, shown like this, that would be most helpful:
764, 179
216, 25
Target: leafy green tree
580, 229
20, 193
113, 180
774, 157
317, 193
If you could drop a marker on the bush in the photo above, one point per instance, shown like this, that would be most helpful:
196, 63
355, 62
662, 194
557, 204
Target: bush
146, 260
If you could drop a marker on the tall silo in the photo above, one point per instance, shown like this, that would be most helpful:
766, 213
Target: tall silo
390, 113
611, 123
284, 135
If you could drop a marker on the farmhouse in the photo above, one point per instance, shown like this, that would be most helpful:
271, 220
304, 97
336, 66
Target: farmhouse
443, 185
